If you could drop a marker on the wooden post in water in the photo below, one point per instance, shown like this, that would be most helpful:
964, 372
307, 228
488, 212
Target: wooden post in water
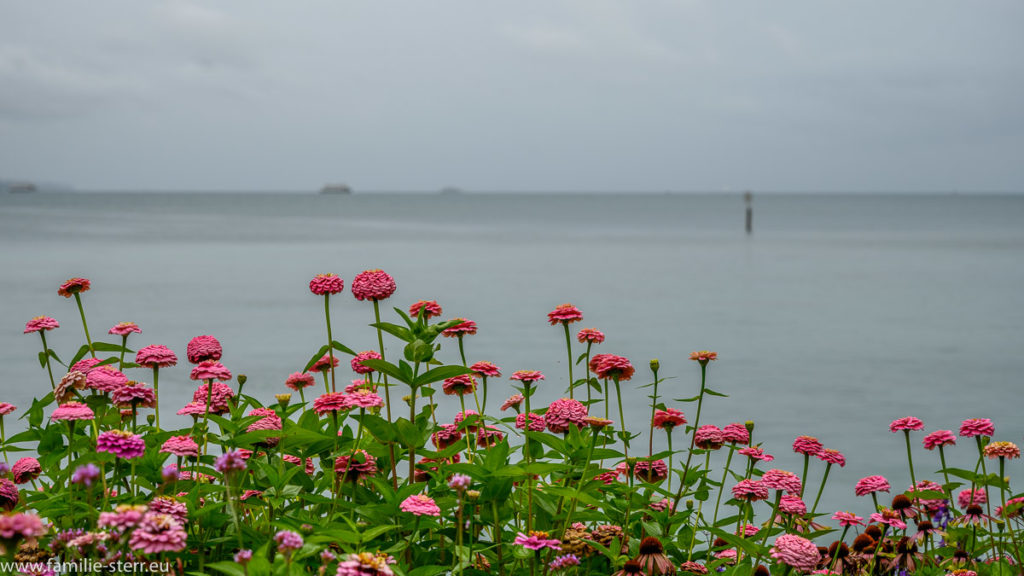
748, 197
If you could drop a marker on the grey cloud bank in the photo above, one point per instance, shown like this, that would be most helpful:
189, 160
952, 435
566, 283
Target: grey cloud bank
535, 95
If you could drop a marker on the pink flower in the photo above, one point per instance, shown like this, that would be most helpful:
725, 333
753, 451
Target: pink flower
703, 356
890, 518
122, 518
299, 380
364, 399
782, 480
793, 505
84, 365
967, 497
203, 348
565, 412
463, 328
65, 389
221, 397
14, 527
431, 309
459, 482
74, 286
590, 336
9, 495
939, 438
158, 533
536, 422
513, 402
231, 461
537, 541
373, 285
807, 445
121, 443
526, 376
756, 454
847, 519
357, 361
105, 379
330, 402
269, 421
210, 370
977, 427
6, 408
155, 356
486, 370
795, 551
565, 313
736, 433
124, 329
183, 446
611, 366
489, 436
366, 564
420, 505
651, 472
72, 411
322, 284
471, 416
355, 467
871, 484
193, 409
1007, 450
448, 435
709, 437
832, 456
668, 419
906, 423
134, 393
41, 324
929, 486
25, 470
325, 363
298, 462
750, 490
170, 506
689, 567
459, 385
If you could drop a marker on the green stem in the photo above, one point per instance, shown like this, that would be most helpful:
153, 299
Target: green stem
206, 414
817, 498
85, 326
654, 406
767, 529
587, 361
803, 477
71, 439
124, 346
671, 454
568, 350
387, 399
330, 339
725, 475
156, 395
910, 463
462, 352
526, 452
693, 437
945, 475
46, 351
622, 419
3, 439
700, 508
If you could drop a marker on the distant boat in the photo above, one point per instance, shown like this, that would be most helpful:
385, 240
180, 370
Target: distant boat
336, 189
21, 187
450, 190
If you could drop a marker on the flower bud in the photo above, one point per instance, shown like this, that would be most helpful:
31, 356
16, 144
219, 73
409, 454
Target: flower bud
749, 425
655, 365
283, 399
242, 379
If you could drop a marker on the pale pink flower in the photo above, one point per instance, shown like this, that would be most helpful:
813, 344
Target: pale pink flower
41, 324
183, 446
513, 402
977, 427
807, 445
750, 490
74, 286
193, 409
231, 461
792, 504
565, 313
330, 402
373, 285
782, 480
105, 378
366, 564
832, 456
202, 348
486, 370
420, 505
459, 482
72, 411
796, 551
123, 517
526, 376
906, 423
611, 366
565, 412
847, 519
357, 361
939, 438
210, 370
431, 309
590, 336
536, 422
65, 389
1007, 450
299, 380
537, 541
703, 356
269, 420
170, 506
756, 454
364, 399
158, 533
890, 518
125, 328
668, 419
156, 356
463, 328
871, 484
322, 284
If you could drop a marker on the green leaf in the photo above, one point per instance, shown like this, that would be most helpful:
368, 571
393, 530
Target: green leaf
319, 354
713, 393
81, 353
377, 426
108, 347
342, 348
229, 568
441, 373
400, 332
389, 369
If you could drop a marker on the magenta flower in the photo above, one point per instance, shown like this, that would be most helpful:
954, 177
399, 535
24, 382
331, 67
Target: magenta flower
74, 286
736, 433
463, 328
243, 557
170, 506
928, 486
156, 356
448, 435
513, 402
709, 437
782, 480
469, 415
210, 370
807, 445
459, 385
939, 438
565, 313
193, 409
793, 505
41, 324
590, 336
756, 454
84, 365
353, 468
221, 397
847, 519
527, 376
158, 533
133, 393
967, 497
325, 363
890, 518
121, 443
669, 418
72, 411
299, 380
536, 422
105, 378
230, 461
537, 541
431, 309
871, 484
832, 456
652, 472
489, 436
322, 284
26, 470
85, 475
373, 285
182, 446
330, 402
420, 505
269, 420
357, 361
795, 551
750, 490
906, 423
565, 412
364, 399
564, 562
366, 564
14, 527
611, 366
124, 329
486, 370
203, 348
977, 427
9, 495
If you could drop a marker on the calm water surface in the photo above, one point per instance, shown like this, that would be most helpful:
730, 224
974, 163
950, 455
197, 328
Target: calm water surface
838, 315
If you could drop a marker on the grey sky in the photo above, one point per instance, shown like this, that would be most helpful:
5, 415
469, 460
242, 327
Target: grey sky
525, 95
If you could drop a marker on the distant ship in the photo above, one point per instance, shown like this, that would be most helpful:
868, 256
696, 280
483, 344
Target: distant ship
336, 189
450, 190
21, 187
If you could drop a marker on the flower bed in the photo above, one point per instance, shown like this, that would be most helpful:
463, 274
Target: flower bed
362, 479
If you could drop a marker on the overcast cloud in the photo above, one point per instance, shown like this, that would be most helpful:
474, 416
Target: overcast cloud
526, 95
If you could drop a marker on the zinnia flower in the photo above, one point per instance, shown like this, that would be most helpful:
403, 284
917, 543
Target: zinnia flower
15, 527
906, 423
750, 490
122, 518
288, 542
366, 564
795, 551
703, 356
690, 567
537, 541
565, 313
330, 402
611, 366
299, 380
832, 456
203, 348
513, 402
486, 370
448, 435
807, 445
782, 480
459, 385
322, 284
25, 470
967, 497
353, 468
755, 454
709, 437
871, 484
9, 495
536, 422
565, 412
105, 378
364, 399
651, 472
489, 436
269, 421
210, 370
357, 361
463, 328
431, 309
668, 419
420, 505
847, 519
170, 506
590, 336
72, 411
74, 286
133, 393
124, 329
156, 356
736, 433
526, 376
84, 365
121, 443
1007, 450
41, 324
325, 363
65, 389
791, 504
373, 285
977, 427
219, 394
182, 446
939, 438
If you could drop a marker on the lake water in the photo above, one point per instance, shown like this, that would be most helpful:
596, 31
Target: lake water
839, 314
